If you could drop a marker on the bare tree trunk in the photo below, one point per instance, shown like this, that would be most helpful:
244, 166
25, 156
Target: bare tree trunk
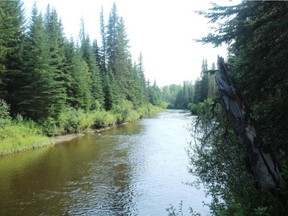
265, 169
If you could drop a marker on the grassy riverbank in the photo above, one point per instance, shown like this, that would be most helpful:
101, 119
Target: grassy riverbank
18, 134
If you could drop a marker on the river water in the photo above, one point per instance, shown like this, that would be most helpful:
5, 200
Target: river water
134, 169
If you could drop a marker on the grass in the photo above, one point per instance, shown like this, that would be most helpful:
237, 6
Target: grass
20, 136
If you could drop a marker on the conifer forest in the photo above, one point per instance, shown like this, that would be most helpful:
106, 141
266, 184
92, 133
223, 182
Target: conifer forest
51, 85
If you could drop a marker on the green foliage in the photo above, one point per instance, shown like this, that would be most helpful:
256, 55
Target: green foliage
154, 94
104, 119
257, 35
217, 157
21, 135
11, 46
190, 94
123, 111
4, 110
70, 120
41, 93
172, 211
94, 79
201, 108
66, 88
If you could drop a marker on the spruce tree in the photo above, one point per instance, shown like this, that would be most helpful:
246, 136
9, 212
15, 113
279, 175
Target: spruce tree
118, 56
11, 50
95, 79
141, 77
41, 94
77, 82
56, 40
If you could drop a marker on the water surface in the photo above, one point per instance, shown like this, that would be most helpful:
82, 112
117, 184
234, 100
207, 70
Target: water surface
135, 169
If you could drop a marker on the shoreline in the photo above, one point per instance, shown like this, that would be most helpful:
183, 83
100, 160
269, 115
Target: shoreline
46, 141
68, 137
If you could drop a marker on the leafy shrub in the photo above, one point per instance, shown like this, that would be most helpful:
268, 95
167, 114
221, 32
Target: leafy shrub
4, 113
104, 119
121, 110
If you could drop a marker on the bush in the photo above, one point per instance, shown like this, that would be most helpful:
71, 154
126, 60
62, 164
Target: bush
75, 121
121, 111
104, 119
4, 113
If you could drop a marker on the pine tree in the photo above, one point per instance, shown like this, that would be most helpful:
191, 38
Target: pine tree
204, 83
154, 94
118, 56
102, 61
41, 95
141, 77
96, 81
11, 50
256, 32
56, 40
110, 90
77, 78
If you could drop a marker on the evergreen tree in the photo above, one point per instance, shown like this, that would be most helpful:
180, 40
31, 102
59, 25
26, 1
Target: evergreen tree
154, 94
204, 83
197, 91
11, 50
96, 80
56, 42
141, 77
257, 36
212, 89
41, 94
118, 56
102, 61
110, 90
77, 78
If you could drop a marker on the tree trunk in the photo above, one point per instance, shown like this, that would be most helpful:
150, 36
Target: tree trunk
261, 161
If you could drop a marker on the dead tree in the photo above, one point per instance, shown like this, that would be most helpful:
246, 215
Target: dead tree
261, 161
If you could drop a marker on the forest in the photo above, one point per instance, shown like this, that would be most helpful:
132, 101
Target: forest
256, 33
51, 85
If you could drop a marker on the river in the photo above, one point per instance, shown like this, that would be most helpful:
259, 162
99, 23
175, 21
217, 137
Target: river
135, 169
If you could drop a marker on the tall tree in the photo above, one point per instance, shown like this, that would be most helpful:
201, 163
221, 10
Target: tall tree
77, 78
41, 94
141, 77
118, 56
90, 58
256, 33
102, 52
204, 83
11, 50
56, 42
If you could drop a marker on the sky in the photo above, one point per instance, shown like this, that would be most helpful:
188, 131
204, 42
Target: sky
164, 31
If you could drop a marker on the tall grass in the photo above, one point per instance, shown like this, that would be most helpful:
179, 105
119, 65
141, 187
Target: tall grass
17, 136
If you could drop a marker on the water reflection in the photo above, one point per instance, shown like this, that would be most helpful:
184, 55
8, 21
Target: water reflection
136, 169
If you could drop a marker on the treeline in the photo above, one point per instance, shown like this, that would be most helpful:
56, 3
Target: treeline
257, 35
191, 95
68, 86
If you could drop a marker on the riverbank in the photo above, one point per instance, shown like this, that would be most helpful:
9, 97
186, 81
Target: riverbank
18, 135
68, 137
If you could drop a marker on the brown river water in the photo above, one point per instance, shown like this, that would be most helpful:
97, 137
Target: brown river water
135, 169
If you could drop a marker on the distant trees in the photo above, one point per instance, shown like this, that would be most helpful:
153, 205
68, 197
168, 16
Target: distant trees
188, 95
